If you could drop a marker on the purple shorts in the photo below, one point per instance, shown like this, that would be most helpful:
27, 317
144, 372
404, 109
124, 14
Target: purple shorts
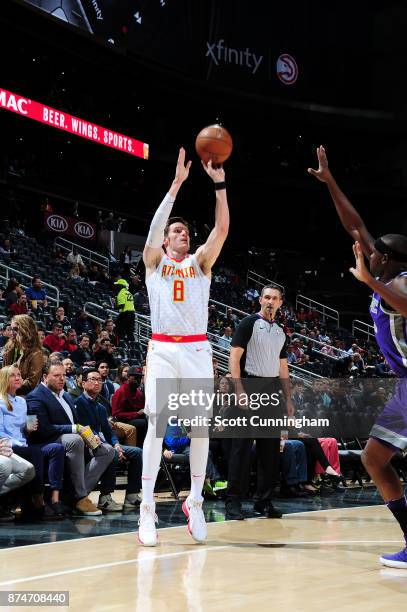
391, 424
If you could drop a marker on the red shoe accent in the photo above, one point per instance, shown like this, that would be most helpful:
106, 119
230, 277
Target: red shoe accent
185, 510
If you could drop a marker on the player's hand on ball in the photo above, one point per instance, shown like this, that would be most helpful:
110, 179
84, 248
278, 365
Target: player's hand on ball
182, 169
323, 173
360, 270
216, 174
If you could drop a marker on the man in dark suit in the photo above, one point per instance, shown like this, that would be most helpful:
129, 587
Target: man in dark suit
58, 422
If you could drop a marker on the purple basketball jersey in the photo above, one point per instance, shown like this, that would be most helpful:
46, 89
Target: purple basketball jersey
391, 334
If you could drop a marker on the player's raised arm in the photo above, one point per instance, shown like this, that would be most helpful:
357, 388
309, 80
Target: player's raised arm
348, 215
208, 253
153, 248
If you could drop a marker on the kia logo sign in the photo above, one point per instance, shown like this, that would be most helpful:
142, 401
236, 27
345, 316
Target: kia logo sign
57, 223
84, 230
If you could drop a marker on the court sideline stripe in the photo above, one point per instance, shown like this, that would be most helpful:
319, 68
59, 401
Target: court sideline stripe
88, 568
122, 533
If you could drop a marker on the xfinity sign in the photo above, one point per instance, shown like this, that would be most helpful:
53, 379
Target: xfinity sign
219, 53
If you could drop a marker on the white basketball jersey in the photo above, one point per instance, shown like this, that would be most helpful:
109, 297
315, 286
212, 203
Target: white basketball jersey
179, 293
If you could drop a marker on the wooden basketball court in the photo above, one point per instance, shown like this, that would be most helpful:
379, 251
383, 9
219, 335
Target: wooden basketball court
308, 561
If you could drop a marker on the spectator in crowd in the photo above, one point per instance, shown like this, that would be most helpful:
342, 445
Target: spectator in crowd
122, 374
15, 426
7, 251
75, 274
291, 358
71, 342
327, 349
36, 295
93, 413
226, 339
300, 356
293, 467
12, 292
128, 403
62, 319
55, 342
75, 259
24, 350
252, 294
215, 365
177, 441
19, 307
231, 319
82, 325
70, 378
83, 356
213, 316
107, 389
125, 303
6, 334
103, 351
58, 422
354, 349
320, 391
15, 472
357, 365
323, 337
41, 336
110, 328
317, 459
97, 276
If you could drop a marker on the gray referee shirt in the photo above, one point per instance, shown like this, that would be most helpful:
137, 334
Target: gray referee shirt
264, 343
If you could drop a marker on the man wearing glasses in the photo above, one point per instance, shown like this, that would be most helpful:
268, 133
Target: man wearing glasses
93, 413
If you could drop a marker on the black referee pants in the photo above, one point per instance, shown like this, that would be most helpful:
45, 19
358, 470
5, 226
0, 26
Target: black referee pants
125, 325
267, 456
268, 468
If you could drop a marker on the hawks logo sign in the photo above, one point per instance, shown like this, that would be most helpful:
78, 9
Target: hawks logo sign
61, 224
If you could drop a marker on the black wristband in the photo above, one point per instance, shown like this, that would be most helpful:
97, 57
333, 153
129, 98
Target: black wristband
221, 185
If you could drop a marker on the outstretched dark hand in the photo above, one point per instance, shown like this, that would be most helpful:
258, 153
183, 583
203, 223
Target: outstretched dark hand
322, 173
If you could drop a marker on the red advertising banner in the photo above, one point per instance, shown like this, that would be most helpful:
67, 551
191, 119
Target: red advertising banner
69, 226
66, 122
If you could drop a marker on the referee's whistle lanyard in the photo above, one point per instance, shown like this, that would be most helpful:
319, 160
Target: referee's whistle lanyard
271, 322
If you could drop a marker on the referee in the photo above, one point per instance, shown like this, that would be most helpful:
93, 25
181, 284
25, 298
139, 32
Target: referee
258, 351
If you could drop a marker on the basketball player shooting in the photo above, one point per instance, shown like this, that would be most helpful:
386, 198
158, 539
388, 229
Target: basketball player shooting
178, 289
387, 278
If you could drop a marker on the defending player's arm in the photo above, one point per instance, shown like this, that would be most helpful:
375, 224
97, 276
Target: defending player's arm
284, 375
348, 215
208, 253
394, 293
153, 248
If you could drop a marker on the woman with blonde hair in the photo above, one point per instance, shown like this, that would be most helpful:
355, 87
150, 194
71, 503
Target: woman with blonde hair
15, 426
24, 349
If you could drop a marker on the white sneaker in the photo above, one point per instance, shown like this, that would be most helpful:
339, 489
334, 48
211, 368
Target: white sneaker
147, 532
196, 520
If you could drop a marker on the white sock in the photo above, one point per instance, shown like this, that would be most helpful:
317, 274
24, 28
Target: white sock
198, 458
152, 450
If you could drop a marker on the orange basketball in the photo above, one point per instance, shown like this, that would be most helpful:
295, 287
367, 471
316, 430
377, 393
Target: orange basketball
215, 143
